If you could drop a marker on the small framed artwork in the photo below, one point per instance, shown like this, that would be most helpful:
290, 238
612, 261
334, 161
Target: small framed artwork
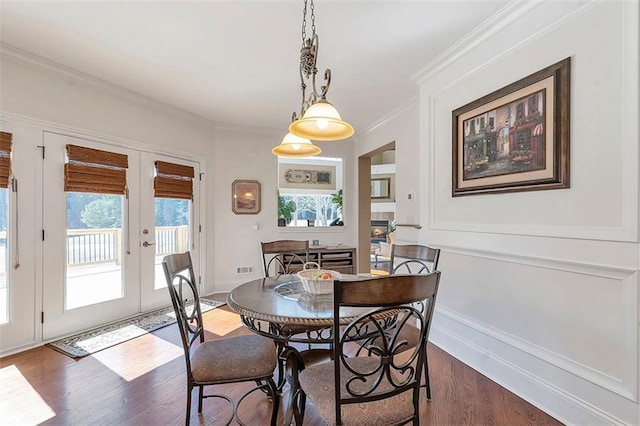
245, 197
516, 138
305, 176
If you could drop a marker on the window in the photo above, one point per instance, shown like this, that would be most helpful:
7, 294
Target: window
173, 191
312, 210
533, 104
310, 192
519, 112
95, 182
5, 180
4, 255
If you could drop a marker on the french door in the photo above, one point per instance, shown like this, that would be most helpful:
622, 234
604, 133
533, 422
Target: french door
167, 226
102, 252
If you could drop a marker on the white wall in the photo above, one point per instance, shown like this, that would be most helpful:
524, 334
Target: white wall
540, 289
246, 154
37, 96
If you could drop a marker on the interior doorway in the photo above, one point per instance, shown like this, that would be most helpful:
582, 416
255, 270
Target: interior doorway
366, 249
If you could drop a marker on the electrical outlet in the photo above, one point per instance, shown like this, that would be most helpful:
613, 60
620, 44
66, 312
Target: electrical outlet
241, 270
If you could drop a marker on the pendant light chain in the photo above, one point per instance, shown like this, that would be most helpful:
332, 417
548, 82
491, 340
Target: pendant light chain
318, 119
304, 21
313, 19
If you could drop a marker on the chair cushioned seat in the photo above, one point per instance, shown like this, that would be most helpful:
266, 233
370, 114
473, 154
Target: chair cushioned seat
240, 357
408, 333
318, 383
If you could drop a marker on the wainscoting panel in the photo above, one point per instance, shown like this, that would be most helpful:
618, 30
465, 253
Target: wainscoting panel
539, 289
544, 321
556, 316
507, 372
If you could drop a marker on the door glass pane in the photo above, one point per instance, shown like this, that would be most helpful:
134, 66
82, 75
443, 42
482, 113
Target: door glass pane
172, 232
94, 248
4, 256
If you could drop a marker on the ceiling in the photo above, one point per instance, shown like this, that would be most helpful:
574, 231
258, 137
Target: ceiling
236, 62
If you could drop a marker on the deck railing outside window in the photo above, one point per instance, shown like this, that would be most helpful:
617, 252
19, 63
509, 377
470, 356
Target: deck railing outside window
87, 246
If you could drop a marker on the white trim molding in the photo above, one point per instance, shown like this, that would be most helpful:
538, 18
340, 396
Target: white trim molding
552, 399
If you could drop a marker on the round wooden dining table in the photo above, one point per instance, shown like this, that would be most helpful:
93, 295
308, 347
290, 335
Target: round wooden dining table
279, 308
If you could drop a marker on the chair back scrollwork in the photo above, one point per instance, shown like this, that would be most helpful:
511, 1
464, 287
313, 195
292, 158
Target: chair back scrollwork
413, 259
387, 365
178, 270
284, 256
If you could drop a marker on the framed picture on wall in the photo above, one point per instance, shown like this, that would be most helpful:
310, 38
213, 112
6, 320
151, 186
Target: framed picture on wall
306, 176
516, 138
245, 197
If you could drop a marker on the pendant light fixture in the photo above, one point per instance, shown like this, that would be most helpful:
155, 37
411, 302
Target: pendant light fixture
318, 119
295, 146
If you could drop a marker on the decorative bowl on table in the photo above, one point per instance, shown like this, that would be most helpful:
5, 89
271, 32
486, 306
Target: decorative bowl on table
316, 280
316, 302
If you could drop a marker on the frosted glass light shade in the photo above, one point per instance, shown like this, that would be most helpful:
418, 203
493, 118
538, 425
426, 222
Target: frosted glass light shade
295, 146
321, 122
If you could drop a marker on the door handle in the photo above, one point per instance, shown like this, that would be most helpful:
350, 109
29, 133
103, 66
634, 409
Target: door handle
147, 244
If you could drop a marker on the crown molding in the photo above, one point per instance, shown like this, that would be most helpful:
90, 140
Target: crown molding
36, 61
40, 62
8, 119
496, 23
393, 114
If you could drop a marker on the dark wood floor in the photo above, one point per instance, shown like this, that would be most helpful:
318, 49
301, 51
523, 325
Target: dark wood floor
142, 382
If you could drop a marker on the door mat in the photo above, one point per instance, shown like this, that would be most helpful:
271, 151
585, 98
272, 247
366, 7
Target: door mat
97, 339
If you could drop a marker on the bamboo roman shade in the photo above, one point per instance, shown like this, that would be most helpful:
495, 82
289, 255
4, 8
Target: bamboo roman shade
92, 170
173, 181
5, 158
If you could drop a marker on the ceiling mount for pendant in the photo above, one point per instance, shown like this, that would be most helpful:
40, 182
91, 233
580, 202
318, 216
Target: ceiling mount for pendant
318, 119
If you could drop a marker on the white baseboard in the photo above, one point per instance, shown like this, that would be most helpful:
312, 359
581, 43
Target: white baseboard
551, 399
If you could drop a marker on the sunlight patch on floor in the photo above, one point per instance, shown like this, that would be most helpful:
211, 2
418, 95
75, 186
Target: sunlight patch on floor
132, 361
20, 403
224, 322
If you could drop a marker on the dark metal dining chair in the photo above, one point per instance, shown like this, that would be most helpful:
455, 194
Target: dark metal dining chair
415, 259
381, 385
247, 358
284, 256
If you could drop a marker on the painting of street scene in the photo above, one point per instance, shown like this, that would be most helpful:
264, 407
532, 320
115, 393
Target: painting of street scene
505, 140
515, 138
